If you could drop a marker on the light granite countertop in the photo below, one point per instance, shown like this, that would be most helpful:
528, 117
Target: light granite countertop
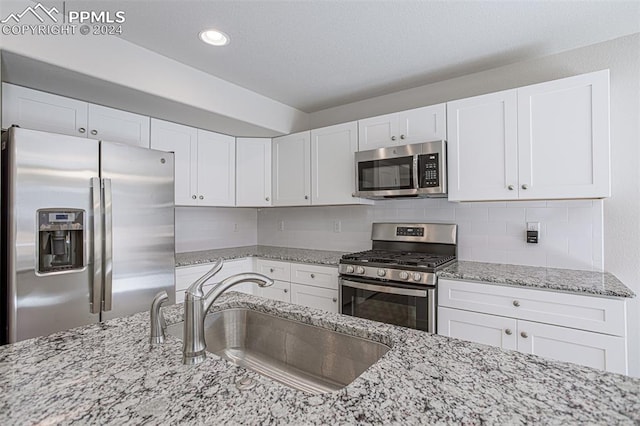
566, 280
107, 374
320, 257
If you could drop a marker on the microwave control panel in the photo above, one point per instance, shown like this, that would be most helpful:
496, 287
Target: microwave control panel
429, 170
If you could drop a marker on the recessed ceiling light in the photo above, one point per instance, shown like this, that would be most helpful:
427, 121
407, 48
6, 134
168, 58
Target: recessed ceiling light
214, 37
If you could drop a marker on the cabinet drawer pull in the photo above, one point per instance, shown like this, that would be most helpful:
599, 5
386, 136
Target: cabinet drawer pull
524, 335
335, 299
525, 186
393, 138
306, 197
511, 187
202, 197
313, 275
272, 270
94, 132
81, 130
266, 199
286, 291
516, 303
402, 136
508, 332
194, 197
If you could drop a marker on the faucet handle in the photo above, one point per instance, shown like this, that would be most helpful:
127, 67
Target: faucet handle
157, 319
195, 289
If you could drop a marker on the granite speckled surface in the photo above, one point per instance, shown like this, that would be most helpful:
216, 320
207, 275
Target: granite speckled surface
569, 280
107, 374
320, 257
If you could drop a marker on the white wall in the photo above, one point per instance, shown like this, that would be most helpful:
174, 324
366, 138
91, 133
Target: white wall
571, 231
622, 210
204, 228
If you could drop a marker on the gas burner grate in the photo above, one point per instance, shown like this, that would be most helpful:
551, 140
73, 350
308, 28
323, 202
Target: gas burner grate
400, 258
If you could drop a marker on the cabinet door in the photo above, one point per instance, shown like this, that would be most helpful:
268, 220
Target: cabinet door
280, 290
253, 172
314, 297
480, 328
566, 344
563, 136
273, 269
216, 169
183, 142
32, 109
332, 164
315, 275
291, 157
423, 124
483, 147
114, 125
378, 132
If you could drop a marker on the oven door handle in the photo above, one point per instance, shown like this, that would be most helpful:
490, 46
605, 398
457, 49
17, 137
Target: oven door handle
385, 289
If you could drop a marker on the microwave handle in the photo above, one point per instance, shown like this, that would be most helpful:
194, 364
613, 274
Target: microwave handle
416, 174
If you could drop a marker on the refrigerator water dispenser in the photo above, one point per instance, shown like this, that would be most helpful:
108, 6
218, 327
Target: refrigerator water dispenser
60, 240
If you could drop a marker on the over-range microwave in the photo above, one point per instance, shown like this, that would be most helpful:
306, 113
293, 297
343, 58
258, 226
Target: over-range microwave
417, 170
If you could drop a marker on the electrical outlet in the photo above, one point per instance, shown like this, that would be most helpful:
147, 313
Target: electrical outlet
337, 226
533, 232
282, 225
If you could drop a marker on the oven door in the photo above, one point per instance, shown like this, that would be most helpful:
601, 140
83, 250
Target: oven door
398, 305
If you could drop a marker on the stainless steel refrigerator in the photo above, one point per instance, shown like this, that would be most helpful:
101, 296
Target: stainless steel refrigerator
87, 231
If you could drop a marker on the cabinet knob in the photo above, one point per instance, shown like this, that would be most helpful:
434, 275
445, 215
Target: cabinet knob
266, 199
353, 194
525, 186
508, 332
306, 197
94, 132
82, 130
194, 197
524, 335
313, 275
286, 291
202, 197
402, 136
393, 138
511, 187
335, 299
516, 303
271, 270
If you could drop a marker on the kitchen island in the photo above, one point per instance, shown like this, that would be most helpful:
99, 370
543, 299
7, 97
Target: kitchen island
108, 374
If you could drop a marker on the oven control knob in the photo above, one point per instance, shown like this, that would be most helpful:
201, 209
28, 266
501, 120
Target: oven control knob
349, 269
382, 272
417, 276
404, 275
360, 270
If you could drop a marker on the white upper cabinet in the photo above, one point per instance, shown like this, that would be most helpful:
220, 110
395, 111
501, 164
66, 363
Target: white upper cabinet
114, 125
333, 164
291, 155
204, 163
183, 142
563, 138
401, 128
33, 109
253, 172
545, 141
483, 147
216, 165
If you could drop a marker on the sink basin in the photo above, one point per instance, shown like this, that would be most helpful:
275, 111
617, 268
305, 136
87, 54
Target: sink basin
302, 356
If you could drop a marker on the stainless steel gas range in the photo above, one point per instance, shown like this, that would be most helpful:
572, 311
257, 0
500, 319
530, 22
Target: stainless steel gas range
395, 282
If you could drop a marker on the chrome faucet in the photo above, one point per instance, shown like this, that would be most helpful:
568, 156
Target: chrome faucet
196, 305
157, 320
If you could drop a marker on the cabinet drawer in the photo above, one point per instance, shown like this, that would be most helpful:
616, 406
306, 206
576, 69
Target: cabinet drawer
600, 314
318, 276
280, 290
275, 270
314, 297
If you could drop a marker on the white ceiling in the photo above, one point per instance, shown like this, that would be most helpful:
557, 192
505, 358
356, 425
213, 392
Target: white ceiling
317, 54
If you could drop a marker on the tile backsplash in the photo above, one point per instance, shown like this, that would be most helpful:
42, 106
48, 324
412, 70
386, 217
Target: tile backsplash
570, 231
204, 228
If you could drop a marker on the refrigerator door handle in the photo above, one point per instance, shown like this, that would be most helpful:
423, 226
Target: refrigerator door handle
96, 285
108, 246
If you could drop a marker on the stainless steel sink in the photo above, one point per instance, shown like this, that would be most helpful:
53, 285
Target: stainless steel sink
302, 356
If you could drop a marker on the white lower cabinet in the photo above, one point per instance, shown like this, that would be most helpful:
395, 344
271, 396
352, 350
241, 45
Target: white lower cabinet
566, 327
314, 297
187, 275
280, 290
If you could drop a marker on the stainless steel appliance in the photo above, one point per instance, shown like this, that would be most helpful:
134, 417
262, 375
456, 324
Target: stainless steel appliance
87, 231
395, 282
418, 170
